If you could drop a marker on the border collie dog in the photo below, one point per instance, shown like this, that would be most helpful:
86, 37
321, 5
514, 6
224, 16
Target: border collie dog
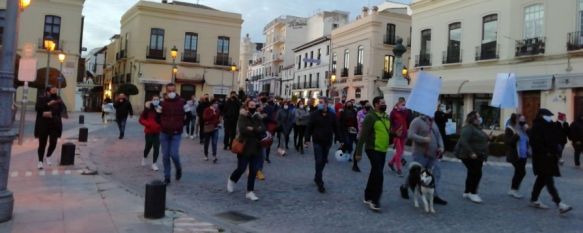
422, 184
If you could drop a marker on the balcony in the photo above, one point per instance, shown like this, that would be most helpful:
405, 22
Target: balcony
344, 72
387, 74
389, 39
575, 41
423, 60
488, 51
122, 54
530, 47
223, 60
453, 55
358, 69
190, 56
155, 53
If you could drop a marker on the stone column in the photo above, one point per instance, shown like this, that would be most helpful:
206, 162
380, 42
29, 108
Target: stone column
397, 86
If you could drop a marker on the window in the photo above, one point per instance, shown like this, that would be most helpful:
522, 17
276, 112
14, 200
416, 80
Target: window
334, 59
490, 29
306, 60
319, 54
317, 80
156, 39
223, 45
360, 56
389, 66
534, 16
311, 58
346, 58
454, 43
2, 23
328, 49
52, 29
426, 41
580, 15
310, 82
334, 26
305, 80
357, 93
390, 37
299, 61
487, 112
190, 41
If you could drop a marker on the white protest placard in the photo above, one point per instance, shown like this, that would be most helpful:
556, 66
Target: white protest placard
505, 94
425, 94
450, 127
27, 70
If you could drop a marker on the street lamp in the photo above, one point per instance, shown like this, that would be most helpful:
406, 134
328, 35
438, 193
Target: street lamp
24, 4
49, 46
174, 54
333, 78
405, 72
233, 70
62, 57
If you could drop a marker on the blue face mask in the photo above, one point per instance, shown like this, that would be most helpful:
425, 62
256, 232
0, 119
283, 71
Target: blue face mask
320, 106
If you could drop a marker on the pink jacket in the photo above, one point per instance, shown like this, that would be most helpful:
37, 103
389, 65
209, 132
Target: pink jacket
360, 115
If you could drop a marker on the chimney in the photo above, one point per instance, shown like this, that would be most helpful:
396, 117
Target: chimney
375, 10
364, 11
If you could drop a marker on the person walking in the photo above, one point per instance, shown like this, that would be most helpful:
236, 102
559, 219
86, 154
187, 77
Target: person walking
576, 137
251, 130
321, 128
230, 117
270, 122
472, 149
517, 150
302, 118
441, 116
374, 137
348, 127
563, 134
190, 117
123, 108
202, 105
150, 119
545, 159
427, 150
106, 109
172, 124
212, 124
285, 120
48, 124
360, 116
398, 117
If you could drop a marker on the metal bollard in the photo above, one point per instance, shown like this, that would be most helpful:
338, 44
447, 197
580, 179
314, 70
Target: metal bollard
81, 119
68, 154
83, 134
155, 204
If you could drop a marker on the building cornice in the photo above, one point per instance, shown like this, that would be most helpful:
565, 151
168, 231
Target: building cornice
312, 43
176, 11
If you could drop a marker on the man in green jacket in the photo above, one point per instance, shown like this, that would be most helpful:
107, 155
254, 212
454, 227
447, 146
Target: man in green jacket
374, 135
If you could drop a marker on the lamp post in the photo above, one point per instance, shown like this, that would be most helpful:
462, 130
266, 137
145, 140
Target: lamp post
62, 57
49, 45
234, 69
174, 54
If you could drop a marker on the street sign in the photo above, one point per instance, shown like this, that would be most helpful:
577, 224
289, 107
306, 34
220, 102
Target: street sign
27, 70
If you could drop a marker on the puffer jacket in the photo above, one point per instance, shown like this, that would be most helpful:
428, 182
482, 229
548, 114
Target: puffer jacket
250, 138
150, 119
172, 116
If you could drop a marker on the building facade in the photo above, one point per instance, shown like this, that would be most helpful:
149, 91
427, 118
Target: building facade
468, 43
206, 42
251, 65
62, 22
362, 59
94, 74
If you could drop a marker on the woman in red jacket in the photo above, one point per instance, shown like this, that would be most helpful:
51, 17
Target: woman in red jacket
150, 119
212, 124
399, 116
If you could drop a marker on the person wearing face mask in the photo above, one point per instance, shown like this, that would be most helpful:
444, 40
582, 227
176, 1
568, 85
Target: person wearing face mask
48, 125
270, 122
302, 117
322, 127
472, 149
348, 125
123, 108
150, 119
203, 104
398, 117
517, 150
212, 121
360, 115
285, 119
441, 116
230, 116
563, 134
172, 124
576, 137
545, 159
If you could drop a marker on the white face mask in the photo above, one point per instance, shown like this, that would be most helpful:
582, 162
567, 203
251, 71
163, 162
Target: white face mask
285, 107
172, 95
156, 102
548, 118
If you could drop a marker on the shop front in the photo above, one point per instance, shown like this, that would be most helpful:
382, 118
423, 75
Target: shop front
530, 89
573, 82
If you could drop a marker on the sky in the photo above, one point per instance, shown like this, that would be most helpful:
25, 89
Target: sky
102, 17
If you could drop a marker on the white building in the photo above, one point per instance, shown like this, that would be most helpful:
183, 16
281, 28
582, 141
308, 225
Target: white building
94, 73
251, 65
469, 42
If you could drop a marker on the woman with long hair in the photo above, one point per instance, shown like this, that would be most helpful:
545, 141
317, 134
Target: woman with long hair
472, 149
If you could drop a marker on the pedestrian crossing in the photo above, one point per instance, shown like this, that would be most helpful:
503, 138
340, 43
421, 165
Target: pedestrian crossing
51, 172
191, 225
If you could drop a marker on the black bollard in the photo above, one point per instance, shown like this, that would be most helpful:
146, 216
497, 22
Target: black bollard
83, 134
81, 119
68, 154
155, 205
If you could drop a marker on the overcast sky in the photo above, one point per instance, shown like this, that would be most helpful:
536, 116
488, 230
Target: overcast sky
102, 17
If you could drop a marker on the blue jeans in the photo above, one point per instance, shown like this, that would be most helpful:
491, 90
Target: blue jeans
374, 185
170, 146
430, 163
208, 137
121, 125
321, 157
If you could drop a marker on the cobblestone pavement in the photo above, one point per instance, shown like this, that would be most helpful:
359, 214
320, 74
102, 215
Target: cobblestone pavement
289, 201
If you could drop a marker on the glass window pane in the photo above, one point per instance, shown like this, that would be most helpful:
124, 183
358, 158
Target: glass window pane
57, 20
56, 29
49, 19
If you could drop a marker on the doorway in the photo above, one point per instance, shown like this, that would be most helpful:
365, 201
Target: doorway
187, 91
530, 105
578, 103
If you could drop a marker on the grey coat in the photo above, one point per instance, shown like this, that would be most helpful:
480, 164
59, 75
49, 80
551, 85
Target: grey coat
302, 116
425, 136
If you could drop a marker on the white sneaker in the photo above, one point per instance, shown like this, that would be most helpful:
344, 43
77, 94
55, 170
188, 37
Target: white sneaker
155, 167
514, 193
39, 165
48, 160
230, 186
564, 208
539, 205
143, 162
466, 195
192, 137
475, 198
251, 196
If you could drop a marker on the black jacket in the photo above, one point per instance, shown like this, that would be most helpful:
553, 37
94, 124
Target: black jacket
545, 148
576, 133
440, 120
54, 124
251, 138
231, 109
321, 128
201, 107
123, 109
563, 131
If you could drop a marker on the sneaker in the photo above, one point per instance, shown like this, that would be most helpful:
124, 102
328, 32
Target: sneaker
167, 181
267, 160
321, 188
538, 205
439, 201
561, 162
48, 160
475, 198
514, 193
374, 206
366, 202
404, 192
392, 167
251, 196
155, 167
564, 208
260, 175
143, 162
215, 160
466, 195
39, 165
230, 186
178, 174
192, 137
206, 158
355, 169
399, 173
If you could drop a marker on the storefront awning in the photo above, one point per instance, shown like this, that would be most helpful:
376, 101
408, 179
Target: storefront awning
451, 87
484, 86
154, 81
534, 83
564, 81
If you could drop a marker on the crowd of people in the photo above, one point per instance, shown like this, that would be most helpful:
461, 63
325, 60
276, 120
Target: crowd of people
257, 122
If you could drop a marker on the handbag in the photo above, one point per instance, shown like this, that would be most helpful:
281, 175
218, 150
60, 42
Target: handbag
208, 128
237, 146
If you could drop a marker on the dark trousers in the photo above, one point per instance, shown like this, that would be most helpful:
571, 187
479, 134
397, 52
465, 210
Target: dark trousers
519, 173
321, 157
51, 137
300, 132
211, 137
374, 186
121, 125
189, 124
242, 163
296, 135
285, 138
540, 183
349, 140
201, 129
474, 175
230, 132
577, 155
152, 142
